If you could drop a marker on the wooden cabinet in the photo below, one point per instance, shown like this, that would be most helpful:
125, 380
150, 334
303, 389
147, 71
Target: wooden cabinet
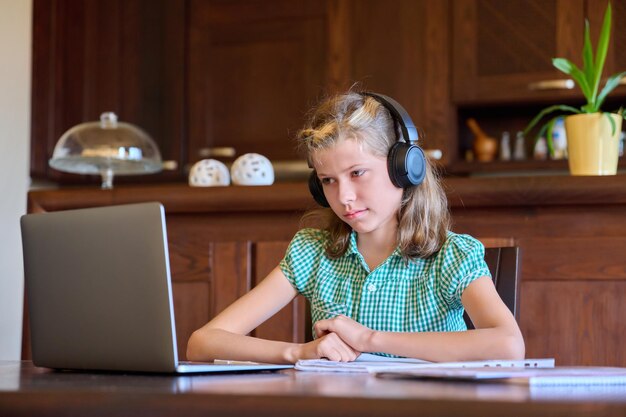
254, 70
208, 75
195, 75
95, 56
400, 49
570, 231
502, 72
204, 76
502, 51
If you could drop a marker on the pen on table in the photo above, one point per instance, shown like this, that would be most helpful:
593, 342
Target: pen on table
229, 362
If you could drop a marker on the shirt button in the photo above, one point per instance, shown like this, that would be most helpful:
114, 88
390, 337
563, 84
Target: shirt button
371, 287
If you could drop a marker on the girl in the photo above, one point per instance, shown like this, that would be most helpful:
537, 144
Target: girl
384, 275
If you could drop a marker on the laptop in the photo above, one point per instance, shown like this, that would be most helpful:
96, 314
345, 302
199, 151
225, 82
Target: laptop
99, 292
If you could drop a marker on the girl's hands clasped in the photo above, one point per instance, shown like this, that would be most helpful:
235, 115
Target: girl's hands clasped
337, 339
354, 334
329, 346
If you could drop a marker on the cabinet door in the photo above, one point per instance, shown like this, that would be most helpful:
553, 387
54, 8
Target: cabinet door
400, 49
255, 68
503, 50
95, 56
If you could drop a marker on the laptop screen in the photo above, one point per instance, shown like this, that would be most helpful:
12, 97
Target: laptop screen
98, 289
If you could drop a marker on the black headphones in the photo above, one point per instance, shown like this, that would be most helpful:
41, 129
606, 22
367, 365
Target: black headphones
406, 162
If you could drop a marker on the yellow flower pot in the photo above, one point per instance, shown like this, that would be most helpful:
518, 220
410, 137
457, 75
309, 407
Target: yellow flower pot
591, 148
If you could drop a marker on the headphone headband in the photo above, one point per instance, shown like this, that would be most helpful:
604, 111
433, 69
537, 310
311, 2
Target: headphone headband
399, 115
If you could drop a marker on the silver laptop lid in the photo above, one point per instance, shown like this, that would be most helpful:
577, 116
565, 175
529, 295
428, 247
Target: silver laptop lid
98, 289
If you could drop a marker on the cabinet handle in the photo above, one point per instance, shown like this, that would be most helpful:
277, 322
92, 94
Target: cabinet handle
552, 85
623, 81
220, 152
169, 165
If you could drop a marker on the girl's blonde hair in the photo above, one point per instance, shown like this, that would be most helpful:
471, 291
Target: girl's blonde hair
423, 217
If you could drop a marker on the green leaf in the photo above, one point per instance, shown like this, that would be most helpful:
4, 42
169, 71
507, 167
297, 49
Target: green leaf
546, 132
602, 49
563, 65
608, 116
569, 68
588, 66
549, 131
546, 111
588, 108
610, 85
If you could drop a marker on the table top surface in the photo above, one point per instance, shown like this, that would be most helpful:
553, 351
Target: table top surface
26, 389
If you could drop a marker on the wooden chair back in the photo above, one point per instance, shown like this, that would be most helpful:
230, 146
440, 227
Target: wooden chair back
503, 264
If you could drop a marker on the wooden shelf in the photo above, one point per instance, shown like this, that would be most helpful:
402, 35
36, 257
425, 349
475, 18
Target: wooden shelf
547, 167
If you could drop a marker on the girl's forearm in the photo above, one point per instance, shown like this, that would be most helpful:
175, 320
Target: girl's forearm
210, 344
480, 344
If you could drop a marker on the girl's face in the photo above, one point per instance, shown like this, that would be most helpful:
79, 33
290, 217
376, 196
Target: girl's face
357, 186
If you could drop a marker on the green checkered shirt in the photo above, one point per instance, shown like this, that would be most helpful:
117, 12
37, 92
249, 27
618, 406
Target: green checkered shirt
423, 295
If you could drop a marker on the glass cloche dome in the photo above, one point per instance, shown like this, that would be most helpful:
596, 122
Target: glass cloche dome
108, 148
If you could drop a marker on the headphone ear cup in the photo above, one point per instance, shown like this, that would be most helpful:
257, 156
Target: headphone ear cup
317, 191
406, 165
416, 163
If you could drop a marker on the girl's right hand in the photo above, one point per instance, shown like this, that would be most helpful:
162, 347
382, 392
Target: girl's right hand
329, 346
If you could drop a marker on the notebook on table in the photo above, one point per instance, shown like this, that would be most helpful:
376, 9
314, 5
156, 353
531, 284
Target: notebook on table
539, 376
99, 292
369, 363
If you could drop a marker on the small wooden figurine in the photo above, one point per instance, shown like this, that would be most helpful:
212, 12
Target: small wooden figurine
485, 147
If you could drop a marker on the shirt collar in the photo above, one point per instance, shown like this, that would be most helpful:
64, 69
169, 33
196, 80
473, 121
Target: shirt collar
354, 250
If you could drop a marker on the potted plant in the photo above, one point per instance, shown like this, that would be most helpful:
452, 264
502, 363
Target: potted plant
592, 134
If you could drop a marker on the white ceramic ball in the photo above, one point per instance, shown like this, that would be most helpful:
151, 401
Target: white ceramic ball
209, 173
252, 169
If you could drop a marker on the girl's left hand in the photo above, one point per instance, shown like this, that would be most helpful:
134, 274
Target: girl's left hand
351, 332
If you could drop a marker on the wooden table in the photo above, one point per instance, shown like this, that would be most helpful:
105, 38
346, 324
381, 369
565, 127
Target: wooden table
29, 391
